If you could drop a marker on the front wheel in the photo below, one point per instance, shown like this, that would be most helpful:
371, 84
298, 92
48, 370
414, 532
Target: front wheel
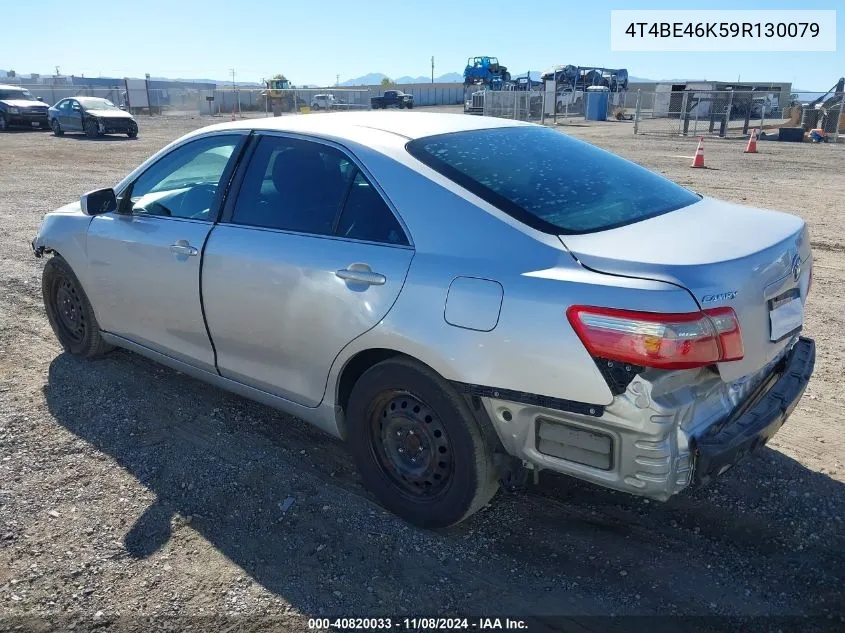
69, 311
417, 445
4, 123
409, 105
132, 132
57, 128
91, 129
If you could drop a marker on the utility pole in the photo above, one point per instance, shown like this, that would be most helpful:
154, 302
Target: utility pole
235, 90
337, 80
432, 69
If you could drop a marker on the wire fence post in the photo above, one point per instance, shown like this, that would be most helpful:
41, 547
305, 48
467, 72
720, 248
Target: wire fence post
839, 117
637, 113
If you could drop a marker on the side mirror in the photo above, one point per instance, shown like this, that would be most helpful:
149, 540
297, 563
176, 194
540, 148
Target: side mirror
40, 98
98, 202
76, 107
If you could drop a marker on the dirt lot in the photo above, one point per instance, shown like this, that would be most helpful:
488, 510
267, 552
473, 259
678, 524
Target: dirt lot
129, 491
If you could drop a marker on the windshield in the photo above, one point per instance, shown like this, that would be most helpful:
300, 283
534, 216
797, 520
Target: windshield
13, 93
97, 104
550, 181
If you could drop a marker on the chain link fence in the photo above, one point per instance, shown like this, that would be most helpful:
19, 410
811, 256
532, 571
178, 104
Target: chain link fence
732, 113
190, 102
549, 108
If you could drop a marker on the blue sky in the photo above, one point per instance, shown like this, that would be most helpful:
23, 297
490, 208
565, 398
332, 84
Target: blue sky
312, 41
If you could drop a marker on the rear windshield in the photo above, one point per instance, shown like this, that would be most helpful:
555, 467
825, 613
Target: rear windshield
550, 181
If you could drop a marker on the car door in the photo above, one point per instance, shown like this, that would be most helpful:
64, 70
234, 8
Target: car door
72, 122
63, 108
307, 257
144, 260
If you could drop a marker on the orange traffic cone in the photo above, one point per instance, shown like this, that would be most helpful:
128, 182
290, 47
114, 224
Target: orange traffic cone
751, 148
698, 160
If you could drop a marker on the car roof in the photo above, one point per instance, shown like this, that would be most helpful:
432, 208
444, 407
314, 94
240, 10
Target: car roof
11, 86
409, 125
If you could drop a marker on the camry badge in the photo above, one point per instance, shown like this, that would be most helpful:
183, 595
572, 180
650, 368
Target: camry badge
720, 296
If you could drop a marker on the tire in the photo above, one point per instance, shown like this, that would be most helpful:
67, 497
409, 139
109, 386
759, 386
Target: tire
132, 132
91, 130
401, 411
409, 105
4, 124
69, 311
57, 128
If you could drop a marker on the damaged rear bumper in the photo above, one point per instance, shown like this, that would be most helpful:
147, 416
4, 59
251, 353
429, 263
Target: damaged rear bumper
723, 445
667, 431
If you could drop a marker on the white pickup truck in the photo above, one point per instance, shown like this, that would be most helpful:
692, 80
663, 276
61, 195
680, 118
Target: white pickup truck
569, 100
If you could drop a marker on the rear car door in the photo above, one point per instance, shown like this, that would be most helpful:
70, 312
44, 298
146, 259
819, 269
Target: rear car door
307, 257
145, 260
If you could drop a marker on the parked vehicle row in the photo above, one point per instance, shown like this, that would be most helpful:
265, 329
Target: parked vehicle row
92, 116
454, 296
18, 107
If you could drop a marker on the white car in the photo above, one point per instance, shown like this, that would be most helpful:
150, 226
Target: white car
323, 102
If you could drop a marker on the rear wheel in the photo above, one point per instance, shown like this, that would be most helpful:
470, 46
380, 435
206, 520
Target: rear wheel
132, 132
57, 128
69, 311
417, 445
4, 123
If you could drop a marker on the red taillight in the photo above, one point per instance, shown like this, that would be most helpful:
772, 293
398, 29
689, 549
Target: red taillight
666, 341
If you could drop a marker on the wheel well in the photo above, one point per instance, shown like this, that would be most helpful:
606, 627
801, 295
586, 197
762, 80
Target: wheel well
356, 367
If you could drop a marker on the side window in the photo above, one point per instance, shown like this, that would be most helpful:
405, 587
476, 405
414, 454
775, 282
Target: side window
366, 216
293, 185
184, 183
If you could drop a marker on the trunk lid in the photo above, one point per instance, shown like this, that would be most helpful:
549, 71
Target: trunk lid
724, 254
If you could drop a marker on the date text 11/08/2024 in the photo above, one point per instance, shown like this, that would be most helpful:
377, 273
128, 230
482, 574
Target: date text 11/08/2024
416, 624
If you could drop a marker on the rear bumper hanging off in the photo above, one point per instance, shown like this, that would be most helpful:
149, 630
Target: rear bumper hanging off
722, 446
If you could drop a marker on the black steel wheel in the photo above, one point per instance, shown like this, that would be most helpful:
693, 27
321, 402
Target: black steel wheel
419, 447
411, 444
57, 127
4, 123
69, 311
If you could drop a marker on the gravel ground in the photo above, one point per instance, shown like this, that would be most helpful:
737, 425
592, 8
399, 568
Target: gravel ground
129, 491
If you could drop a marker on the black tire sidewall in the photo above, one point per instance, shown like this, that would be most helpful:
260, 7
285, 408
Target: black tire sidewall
471, 476
55, 271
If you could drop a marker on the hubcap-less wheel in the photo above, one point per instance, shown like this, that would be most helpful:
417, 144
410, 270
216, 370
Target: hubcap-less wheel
3, 124
70, 310
411, 445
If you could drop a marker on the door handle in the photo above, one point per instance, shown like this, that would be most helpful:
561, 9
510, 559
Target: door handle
362, 274
182, 247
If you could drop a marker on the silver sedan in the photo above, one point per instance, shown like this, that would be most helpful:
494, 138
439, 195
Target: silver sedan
462, 299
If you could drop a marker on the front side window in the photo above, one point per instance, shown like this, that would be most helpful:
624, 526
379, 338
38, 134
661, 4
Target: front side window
185, 182
550, 181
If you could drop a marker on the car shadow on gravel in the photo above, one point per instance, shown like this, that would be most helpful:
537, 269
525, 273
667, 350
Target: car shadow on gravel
99, 139
283, 502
